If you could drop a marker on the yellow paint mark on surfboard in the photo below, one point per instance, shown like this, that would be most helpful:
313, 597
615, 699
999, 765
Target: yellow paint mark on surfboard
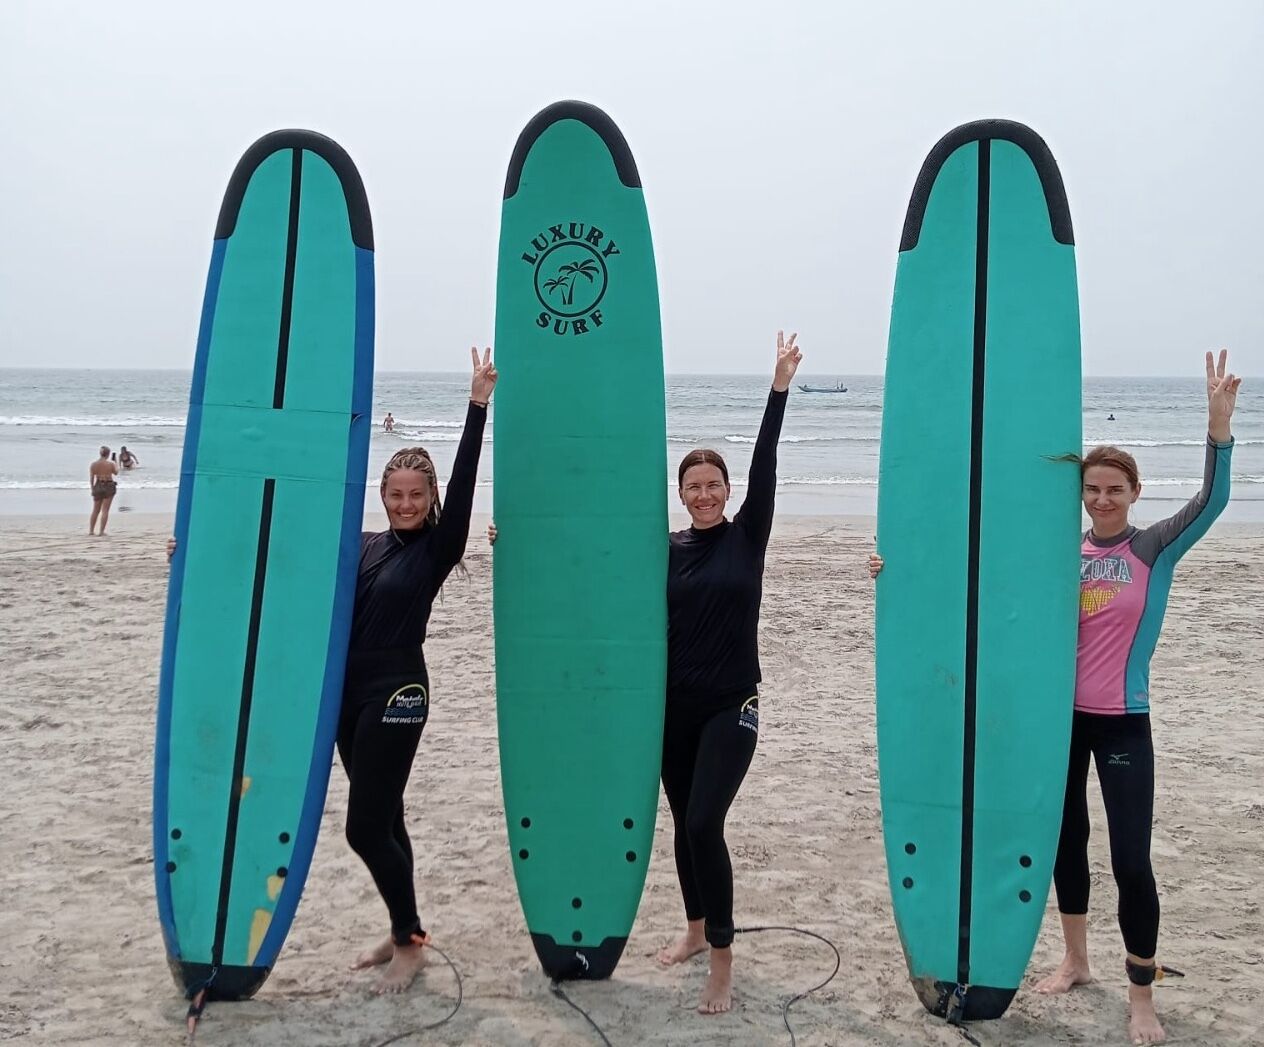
259, 927
245, 784
274, 887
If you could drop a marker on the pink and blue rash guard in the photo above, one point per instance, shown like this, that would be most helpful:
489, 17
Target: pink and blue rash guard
1124, 584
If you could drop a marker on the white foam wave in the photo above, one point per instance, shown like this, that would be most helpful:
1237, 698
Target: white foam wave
412, 436
737, 439
88, 422
67, 485
1119, 442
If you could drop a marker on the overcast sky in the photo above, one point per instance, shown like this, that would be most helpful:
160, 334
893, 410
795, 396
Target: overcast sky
777, 143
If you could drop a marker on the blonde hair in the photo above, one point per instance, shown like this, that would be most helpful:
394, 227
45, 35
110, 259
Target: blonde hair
417, 458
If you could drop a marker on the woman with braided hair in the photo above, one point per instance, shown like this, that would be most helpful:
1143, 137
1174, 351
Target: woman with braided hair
386, 693
386, 697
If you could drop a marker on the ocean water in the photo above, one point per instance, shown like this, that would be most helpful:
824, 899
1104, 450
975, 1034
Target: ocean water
52, 422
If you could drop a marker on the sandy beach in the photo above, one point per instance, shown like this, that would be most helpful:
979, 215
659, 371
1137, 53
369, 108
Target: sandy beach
81, 956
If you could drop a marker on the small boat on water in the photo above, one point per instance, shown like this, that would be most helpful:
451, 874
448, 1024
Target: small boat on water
839, 388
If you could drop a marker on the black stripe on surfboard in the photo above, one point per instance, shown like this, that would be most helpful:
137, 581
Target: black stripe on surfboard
328, 150
597, 119
243, 722
287, 286
972, 583
982, 131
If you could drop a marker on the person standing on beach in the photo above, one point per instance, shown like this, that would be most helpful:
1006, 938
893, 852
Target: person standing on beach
714, 590
715, 572
102, 482
386, 693
388, 423
1125, 576
386, 697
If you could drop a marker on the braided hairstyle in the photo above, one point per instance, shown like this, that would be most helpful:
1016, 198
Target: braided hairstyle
417, 458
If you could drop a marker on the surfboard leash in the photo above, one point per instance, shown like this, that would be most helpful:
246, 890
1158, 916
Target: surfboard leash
197, 1004
555, 987
838, 963
460, 996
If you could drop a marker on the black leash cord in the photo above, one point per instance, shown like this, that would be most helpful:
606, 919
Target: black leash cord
460, 995
838, 963
555, 987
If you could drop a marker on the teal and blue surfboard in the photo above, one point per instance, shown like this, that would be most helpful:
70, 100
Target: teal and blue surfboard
263, 580
581, 558
978, 523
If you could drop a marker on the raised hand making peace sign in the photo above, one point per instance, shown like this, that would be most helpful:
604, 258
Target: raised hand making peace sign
485, 375
788, 357
1222, 397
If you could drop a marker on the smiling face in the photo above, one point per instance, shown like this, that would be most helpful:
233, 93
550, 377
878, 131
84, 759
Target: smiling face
704, 492
1108, 494
407, 495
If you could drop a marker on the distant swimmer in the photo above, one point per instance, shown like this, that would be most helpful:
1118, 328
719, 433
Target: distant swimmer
1110, 418
126, 459
388, 423
104, 486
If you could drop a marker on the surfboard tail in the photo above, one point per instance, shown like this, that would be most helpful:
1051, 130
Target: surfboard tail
229, 982
578, 962
968, 1003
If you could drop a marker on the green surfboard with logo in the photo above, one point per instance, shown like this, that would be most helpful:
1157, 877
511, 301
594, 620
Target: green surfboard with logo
581, 558
979, 525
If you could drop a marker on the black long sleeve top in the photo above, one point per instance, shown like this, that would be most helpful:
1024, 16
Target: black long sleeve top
715, 585
401, 572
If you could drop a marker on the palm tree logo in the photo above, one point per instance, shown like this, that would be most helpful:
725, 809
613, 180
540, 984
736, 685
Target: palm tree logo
567, 275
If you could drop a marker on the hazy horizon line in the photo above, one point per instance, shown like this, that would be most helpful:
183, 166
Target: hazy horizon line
669, 374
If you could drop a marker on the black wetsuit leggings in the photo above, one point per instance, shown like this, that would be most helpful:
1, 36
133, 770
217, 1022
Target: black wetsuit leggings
1124, 754
705, 758
379, 729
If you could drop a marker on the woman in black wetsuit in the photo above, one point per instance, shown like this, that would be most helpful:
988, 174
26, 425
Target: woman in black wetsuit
714, 585
386, 698
714, 588
386, 694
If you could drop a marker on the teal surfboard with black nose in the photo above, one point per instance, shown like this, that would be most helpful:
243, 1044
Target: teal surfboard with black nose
978, 523
581, 556
263, 580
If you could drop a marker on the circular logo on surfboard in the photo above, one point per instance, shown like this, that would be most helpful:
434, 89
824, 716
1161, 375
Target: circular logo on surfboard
569, 263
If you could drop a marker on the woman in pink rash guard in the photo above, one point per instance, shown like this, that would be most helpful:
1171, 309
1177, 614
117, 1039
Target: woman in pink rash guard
1125, 576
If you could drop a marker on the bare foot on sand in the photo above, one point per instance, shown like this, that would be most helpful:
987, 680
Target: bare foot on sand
375, 956
717, 994
1072, 971
1143, 1024
690, 944
406, 961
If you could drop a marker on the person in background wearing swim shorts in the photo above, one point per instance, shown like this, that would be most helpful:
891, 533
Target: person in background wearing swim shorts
1125, 576
104, 486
